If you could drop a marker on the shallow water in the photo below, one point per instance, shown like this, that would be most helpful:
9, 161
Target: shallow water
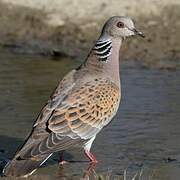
145, 134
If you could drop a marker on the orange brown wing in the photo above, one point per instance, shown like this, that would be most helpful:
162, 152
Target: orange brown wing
86, 110
79, 117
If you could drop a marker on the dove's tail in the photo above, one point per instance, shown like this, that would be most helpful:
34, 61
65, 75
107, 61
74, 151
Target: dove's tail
23, 167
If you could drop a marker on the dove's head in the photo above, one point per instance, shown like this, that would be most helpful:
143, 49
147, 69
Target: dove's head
120, 26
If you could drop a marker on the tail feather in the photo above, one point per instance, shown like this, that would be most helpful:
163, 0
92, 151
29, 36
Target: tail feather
23, 168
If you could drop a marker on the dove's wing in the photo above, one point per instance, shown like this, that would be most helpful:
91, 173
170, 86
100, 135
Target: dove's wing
79, 116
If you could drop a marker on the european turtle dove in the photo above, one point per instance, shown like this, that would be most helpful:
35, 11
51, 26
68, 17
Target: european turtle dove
85, 101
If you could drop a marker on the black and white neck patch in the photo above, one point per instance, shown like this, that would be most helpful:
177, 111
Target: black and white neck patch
103, 49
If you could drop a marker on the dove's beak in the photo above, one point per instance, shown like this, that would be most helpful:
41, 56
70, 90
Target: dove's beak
139, 33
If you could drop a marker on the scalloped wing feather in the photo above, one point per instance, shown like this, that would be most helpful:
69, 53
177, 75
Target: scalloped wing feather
74, 119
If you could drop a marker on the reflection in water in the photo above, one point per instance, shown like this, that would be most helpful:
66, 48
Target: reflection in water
144, 134
87, 174
90, 170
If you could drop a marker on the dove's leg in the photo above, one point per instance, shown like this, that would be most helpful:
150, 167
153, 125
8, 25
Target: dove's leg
87, 152
61, 158
91, 157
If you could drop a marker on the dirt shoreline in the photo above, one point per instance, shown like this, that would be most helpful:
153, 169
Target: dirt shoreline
65, 28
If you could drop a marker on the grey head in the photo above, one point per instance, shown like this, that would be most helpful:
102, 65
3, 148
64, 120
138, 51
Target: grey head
120, 27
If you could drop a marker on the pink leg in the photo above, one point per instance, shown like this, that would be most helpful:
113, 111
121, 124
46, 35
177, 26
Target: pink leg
91, 157
61, 159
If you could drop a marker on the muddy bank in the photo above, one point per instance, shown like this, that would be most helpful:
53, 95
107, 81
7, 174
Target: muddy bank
65, 28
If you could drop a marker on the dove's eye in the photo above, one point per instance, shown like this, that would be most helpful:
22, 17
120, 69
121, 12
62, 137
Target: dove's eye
120, 24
